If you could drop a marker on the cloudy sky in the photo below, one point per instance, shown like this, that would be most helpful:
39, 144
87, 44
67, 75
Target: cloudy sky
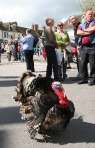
27, 12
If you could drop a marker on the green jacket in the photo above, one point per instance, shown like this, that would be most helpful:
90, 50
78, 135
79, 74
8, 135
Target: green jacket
62, 40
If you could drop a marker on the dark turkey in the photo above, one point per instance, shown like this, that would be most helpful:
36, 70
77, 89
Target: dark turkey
40, 104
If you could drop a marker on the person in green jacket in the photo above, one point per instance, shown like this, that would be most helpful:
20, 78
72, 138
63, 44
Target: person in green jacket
63, 40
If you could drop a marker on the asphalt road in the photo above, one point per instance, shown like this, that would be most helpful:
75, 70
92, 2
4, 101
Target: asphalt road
81, 130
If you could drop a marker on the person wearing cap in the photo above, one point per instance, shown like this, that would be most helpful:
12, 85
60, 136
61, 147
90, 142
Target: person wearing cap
62, 39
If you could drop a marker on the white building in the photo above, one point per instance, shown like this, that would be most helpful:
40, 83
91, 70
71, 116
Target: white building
8, 30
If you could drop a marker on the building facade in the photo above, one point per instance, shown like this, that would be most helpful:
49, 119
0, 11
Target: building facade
10, 30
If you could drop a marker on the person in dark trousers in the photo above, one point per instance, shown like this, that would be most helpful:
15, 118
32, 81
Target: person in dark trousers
0, 53
87, 52
27, 47
49, 41
74, 21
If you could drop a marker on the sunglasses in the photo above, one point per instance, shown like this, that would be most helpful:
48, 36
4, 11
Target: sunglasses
60, 25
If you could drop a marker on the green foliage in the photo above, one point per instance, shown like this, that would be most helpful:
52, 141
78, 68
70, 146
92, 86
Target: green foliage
85, 4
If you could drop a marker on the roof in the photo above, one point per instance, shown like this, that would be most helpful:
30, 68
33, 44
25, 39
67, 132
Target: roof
8, 26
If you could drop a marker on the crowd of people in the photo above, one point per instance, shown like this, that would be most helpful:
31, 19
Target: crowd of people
56, 44
13, 49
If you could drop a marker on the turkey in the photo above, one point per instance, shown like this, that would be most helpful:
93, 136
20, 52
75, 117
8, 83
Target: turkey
43, 104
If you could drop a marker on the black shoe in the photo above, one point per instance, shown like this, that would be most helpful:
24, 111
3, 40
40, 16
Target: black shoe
69, 67
64, 76
83, 82
91, 82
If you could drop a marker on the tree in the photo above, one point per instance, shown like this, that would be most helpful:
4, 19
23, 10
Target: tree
85, 4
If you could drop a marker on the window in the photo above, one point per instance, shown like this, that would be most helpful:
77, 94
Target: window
5, 34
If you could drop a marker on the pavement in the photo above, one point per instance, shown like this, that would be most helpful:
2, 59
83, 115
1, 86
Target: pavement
13, 133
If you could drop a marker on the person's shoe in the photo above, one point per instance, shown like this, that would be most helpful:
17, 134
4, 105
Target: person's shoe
83, 82
69, 67
64, 77
91, 82
33, 70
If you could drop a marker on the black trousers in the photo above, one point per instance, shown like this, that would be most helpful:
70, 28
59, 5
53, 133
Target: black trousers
64, 67
29, 60
51, 62
85, 58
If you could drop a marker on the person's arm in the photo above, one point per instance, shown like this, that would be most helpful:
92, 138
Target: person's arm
68, 39
44, 37
23, 40
90, 29
82, 32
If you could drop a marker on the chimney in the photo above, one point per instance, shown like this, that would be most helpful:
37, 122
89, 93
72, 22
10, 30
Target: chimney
33, 28
36, 27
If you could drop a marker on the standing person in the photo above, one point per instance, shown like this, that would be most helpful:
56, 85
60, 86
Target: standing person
0, 52
87, 52
19, 51
12, 41
27, 46
16, 50
2, 47
50, 45
8, 49
74, 21
62, 39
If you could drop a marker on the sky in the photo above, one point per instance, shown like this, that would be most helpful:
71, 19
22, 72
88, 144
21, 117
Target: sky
28, 12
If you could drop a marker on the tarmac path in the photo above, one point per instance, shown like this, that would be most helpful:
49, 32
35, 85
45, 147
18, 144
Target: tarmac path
81, 130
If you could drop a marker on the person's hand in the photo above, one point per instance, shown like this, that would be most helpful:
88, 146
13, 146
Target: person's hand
63, 45
90, 29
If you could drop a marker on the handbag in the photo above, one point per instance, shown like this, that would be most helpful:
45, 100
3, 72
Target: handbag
85, 40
